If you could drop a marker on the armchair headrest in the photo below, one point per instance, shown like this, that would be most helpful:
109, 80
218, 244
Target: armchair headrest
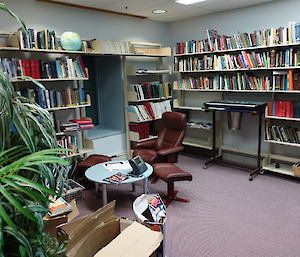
174, 120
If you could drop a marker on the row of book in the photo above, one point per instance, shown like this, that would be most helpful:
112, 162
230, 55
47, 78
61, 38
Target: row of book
44, 39
55, 98
279, 133
286, 80
285, 58
195, 63
111, 46
257, 38
40, 69
150, 90
238, 81
244, 60
68, 142
149, 110
279, 81
283, 108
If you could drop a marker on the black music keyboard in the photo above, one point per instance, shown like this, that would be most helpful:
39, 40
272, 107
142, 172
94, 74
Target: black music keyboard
236, 105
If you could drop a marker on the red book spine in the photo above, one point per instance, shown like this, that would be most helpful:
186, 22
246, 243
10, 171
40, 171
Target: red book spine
32, 68
291, 109
82, 66
288, 109
37, 69
283, 109
26, 67
149, 108
277, 108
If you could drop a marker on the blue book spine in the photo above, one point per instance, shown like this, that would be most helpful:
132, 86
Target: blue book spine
59, 70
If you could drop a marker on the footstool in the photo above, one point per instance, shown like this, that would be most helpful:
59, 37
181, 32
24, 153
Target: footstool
169, 173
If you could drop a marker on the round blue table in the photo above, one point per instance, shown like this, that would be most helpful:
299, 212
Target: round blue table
98, 173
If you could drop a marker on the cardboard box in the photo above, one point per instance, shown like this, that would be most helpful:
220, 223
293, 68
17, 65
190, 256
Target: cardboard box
103, 234
296, 171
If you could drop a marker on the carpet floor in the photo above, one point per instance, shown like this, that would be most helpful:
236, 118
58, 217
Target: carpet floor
228, 215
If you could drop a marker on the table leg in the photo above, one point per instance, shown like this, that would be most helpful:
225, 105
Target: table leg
145, 185
97, 189
104, 194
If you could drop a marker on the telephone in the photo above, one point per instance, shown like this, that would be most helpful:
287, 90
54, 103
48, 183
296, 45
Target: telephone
138, 165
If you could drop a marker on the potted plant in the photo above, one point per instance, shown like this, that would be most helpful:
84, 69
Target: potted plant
31, 168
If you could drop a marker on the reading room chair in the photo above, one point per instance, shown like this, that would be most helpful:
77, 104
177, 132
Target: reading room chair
166, 147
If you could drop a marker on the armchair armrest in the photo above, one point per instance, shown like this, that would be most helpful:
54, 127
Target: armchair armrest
170, 150
145, 144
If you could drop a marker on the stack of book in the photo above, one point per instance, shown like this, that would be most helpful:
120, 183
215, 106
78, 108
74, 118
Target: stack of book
68, 126
84, 123
58, 207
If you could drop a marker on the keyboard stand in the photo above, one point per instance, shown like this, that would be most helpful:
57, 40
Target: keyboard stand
217, 158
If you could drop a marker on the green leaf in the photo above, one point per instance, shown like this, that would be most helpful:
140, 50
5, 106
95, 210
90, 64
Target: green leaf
1, 236
6, 218
20, 238
22, 251
30, 193
15, 203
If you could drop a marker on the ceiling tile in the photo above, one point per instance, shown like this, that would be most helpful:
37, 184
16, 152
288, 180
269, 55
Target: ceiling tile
233, 4
171, 8
132, 6
195, 12
89, 3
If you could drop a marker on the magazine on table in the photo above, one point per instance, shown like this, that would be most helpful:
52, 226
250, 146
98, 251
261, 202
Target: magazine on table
117, 178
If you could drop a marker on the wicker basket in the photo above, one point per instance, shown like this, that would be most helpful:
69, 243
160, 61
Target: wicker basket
75, 193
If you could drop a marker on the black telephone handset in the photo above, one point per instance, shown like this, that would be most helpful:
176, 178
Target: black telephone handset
138, 165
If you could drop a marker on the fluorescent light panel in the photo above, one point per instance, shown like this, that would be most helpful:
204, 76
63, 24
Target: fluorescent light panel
159, 11
187, 2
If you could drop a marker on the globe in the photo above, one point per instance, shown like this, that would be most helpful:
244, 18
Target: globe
70, 41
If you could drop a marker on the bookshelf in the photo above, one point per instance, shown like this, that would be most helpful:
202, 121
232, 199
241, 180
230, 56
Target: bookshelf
146, 93
267, 71
64, 96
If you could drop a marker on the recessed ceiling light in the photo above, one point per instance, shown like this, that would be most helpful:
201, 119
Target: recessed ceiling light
187, 2
159, 11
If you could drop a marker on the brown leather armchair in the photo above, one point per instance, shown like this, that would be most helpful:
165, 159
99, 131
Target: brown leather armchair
168, 144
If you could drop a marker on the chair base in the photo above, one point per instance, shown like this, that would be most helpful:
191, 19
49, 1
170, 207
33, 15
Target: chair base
154, 180
173, 196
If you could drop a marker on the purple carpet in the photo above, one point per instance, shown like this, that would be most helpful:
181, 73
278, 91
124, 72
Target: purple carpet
228, 215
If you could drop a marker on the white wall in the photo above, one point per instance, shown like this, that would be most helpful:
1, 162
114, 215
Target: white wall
263, 16
87, 23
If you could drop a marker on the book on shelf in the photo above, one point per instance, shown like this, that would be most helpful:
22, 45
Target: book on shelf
84, 123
